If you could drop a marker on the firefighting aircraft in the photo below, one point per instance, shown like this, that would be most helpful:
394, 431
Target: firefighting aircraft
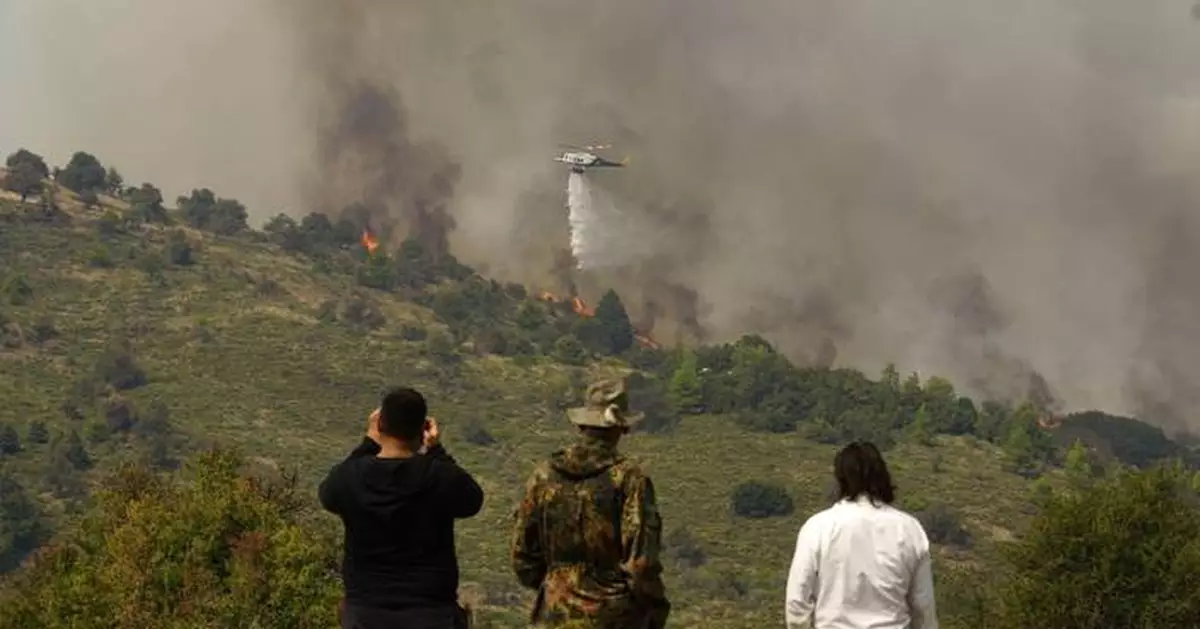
581, 158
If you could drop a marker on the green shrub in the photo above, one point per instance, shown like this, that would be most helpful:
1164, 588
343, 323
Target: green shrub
761, 500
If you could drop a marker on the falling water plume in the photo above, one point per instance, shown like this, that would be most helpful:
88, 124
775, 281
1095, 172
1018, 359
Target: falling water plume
584, 223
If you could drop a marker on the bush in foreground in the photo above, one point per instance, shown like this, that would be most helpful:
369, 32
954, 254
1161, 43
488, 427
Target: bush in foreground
219, 549
1124, 553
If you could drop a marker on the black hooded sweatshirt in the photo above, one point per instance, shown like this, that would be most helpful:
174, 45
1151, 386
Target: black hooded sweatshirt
399, 519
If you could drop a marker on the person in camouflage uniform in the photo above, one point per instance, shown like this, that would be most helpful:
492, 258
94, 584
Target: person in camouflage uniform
587, 533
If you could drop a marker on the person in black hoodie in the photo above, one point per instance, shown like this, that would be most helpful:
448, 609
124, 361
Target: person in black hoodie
398, 494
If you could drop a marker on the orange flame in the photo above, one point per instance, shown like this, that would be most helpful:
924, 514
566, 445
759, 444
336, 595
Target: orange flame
1049, 422
368, 242
581, 308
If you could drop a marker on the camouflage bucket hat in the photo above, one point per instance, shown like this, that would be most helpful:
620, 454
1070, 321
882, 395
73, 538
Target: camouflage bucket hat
605, 406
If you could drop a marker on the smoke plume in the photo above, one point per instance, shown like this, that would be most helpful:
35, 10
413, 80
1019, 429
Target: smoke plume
1001, 192
367, 161
365, 158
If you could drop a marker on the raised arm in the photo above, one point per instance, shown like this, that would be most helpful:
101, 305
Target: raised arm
330, 488
460, 495
641, 540
802, 582
528, 558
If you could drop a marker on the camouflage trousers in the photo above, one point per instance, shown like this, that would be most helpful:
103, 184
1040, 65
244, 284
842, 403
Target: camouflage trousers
652, 617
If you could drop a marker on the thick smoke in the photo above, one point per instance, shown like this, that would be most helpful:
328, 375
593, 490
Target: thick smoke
366, 159
1002, 192
367, 162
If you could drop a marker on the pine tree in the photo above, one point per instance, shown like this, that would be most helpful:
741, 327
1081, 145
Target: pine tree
921, 430
1078, 469
685, 389
615, 330
911, 397
888, 394
942, 405
1018, 446
1026, 444
114, 182
890, 378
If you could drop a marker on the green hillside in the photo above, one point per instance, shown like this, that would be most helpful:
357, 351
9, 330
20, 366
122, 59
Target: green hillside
134, 332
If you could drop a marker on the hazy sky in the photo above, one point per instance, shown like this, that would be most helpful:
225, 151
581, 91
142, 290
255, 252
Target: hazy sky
10, 47
985, 189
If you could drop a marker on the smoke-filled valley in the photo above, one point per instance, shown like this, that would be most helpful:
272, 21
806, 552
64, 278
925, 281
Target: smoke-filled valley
1003, 192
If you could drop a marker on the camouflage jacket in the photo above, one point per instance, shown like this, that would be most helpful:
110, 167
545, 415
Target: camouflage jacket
587, 538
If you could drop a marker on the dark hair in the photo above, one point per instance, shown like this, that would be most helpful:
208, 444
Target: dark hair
859, 469
402, 414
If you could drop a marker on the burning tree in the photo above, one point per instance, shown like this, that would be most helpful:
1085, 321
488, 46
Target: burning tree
614, 329
400, 187
606, 328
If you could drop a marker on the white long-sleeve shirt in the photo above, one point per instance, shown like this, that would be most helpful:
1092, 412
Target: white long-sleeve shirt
861, 566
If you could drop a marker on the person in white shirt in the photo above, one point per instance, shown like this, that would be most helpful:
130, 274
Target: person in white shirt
861, 563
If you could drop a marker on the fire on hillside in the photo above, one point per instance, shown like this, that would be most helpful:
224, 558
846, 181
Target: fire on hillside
581, 308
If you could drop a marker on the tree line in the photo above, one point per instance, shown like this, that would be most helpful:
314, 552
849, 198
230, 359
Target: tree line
747, 380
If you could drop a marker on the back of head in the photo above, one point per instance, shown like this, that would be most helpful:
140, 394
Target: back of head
402, 414
605, 413
861, 471
606, 435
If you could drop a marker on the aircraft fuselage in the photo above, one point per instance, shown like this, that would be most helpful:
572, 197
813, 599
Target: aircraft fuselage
579, 161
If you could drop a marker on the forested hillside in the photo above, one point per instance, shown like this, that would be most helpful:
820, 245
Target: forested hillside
137, 333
